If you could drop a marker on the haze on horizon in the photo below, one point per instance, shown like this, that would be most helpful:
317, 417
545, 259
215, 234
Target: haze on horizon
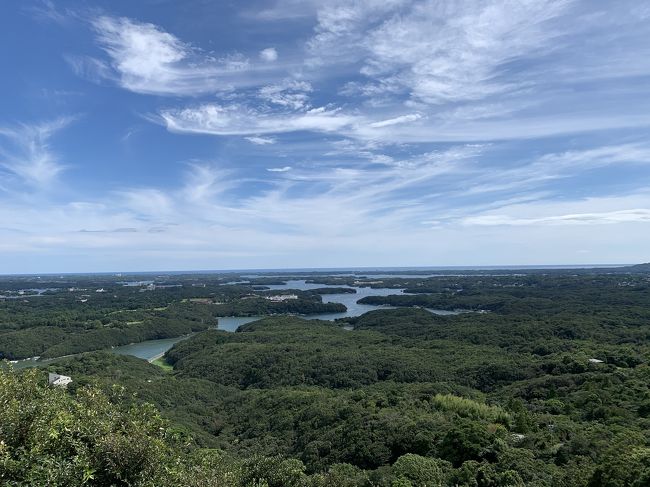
155, 135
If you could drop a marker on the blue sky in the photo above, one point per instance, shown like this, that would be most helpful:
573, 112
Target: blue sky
164, 135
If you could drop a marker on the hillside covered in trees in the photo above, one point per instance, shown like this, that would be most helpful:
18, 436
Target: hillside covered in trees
544, 381
65, 315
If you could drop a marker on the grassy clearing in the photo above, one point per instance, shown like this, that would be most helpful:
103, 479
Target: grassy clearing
160, 362
470, 409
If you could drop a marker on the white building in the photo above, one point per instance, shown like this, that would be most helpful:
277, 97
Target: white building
281, 297
57, 380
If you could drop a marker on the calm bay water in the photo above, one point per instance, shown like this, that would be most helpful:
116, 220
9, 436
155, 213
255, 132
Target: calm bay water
152, 349
149, 349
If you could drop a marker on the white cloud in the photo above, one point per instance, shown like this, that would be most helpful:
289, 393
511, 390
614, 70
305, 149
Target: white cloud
146, 59
509, 128
261, 140
279, 10
342, 27
28, 156
242, 120
623, 216
47, 11
470, 70
291, 94
553, 166
392, 92
590, 211
92, 69
360, 212
270, 54
397, 120
205, 182
437, 51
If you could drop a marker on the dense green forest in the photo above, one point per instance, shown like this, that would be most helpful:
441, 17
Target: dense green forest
306, 303
544, 381
97, 438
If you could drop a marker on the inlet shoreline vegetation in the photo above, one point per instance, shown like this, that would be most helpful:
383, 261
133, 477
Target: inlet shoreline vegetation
548, 386
75, 314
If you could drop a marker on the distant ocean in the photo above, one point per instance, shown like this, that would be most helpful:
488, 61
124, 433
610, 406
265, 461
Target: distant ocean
340, 270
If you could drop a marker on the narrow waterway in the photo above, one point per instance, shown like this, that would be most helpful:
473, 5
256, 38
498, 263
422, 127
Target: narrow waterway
152, 348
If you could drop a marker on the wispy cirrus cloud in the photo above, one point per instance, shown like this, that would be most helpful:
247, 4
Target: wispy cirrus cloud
213, 213
638, 215
292, 94
144, 58
460, 51
206, 181
26, 154
47, 11
236, 119
384, 128
411, 117
595, 211
438, 52
466, 71
283, 10
261, 140
561, 165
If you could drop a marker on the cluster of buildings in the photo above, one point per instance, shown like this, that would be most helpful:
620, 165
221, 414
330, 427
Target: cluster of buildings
281, 297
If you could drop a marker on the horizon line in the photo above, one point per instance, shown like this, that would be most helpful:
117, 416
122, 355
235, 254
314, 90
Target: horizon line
369, 269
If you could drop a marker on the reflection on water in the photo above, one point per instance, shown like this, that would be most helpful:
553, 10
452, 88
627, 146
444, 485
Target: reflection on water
231, 323
149, 349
